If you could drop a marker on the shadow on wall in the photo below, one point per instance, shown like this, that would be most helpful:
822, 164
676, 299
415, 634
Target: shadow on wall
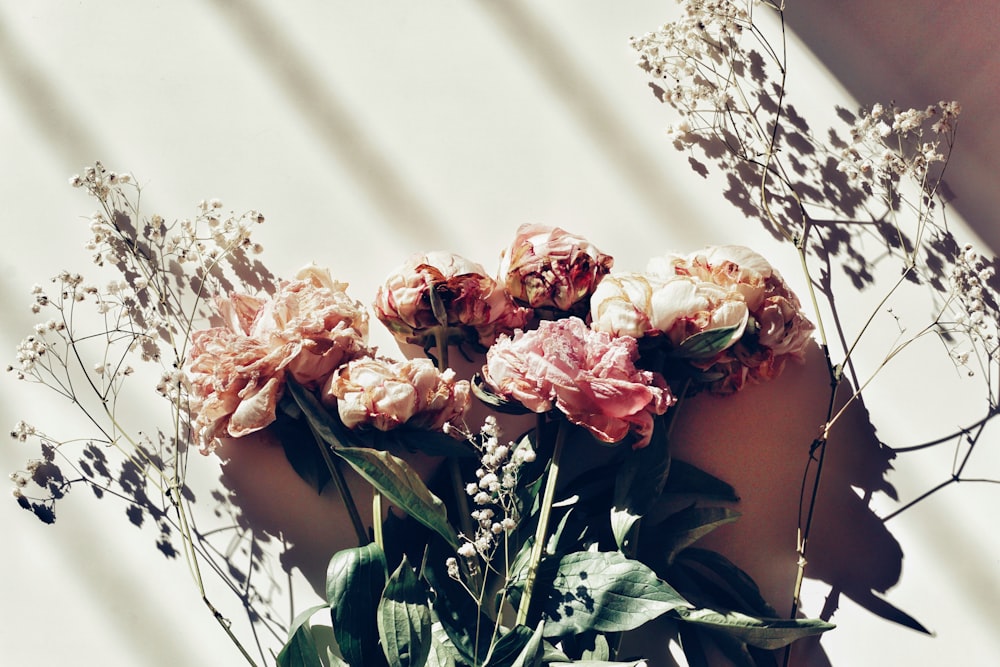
860, 229
915, 54
760, 441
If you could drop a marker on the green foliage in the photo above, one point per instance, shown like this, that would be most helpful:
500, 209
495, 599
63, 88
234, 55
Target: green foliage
617, 537
767, 633
601, 591
302, 649
707, 344
388, 474
404, 619
354, 583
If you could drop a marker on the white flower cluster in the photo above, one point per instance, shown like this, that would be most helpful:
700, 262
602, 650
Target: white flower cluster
969, 282
496, 510
99, 181
163, 273
691, 58
22, 431
888, 144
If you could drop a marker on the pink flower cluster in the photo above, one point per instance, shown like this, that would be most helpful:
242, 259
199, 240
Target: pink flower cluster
306, 331
723, 314
589, 376
443, 294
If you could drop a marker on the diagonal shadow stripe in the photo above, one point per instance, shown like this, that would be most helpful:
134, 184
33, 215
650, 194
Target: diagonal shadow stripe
333, 124
641, 170
45, 107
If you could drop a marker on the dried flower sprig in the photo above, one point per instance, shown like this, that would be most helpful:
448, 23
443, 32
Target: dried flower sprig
724, 71
135, 320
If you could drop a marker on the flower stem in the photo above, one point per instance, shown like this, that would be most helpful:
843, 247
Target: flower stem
377, 519
461, 499
538, 548
345, 492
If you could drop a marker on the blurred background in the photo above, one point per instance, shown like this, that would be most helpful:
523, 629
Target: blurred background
368, 132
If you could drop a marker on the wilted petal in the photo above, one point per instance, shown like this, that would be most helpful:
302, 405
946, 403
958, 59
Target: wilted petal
386, 394
237, 372
442, 293
547, 267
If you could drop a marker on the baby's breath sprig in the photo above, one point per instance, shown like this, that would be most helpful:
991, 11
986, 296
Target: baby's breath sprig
156, 280
494, 491
495, 516
724, 73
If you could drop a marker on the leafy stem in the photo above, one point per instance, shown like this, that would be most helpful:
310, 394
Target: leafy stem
545, 512
345, 492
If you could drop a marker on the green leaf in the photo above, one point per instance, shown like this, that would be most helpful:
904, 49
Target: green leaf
601, 591
301, 649
686, 478
741, 583
432, 443
707, 344
601, 651
488, 397
443, 652
403, 487
300, 447
639, 482
404, 619
355, 579
690, 525
766, 633
438, 307
387, 473
531, 655
334, 660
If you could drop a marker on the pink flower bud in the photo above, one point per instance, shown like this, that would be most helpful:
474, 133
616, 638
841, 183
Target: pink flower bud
547, 267
440, 292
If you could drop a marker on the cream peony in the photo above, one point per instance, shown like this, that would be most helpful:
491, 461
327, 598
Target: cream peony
387, 394
678, 307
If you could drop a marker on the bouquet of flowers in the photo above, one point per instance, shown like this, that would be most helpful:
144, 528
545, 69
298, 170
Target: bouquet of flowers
507, 492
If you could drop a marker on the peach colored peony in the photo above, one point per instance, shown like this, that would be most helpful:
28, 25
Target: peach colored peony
777, 328
547, 267
386, 394
440, 291
678, 307
237, 371
781, 326
589, 376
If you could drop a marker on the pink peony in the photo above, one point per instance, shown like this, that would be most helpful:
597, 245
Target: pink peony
589, 376
387, 394
442, 291
237, 371
547, 267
